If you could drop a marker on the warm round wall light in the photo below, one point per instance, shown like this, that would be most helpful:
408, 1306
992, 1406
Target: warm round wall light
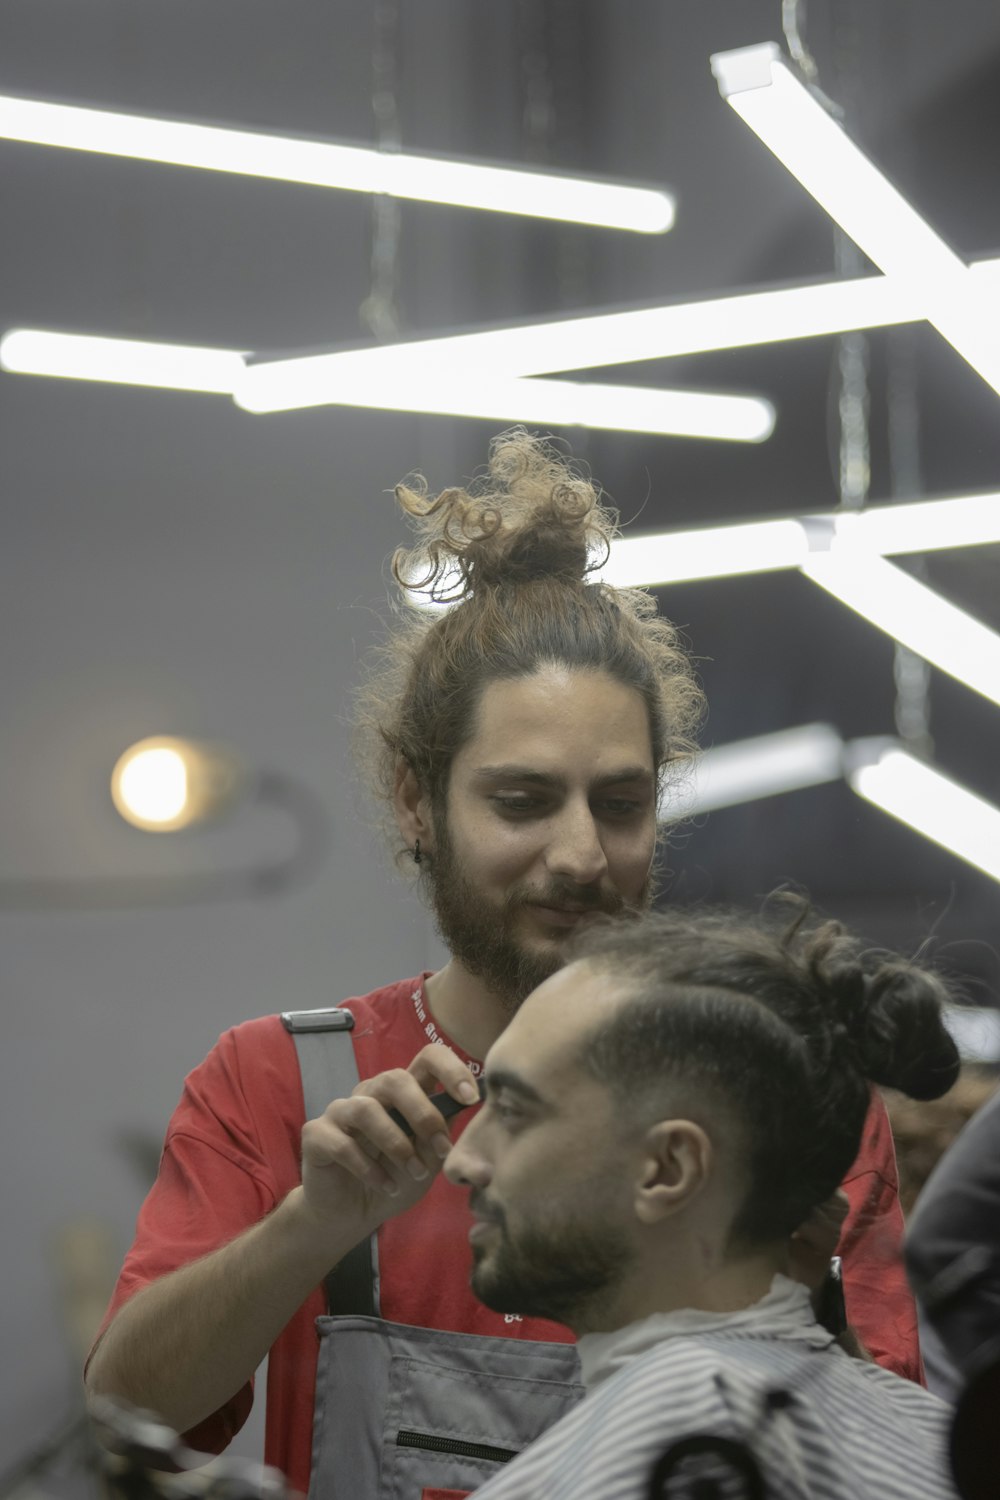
165, 783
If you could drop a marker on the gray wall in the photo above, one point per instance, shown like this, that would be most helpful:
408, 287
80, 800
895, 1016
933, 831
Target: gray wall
170, 568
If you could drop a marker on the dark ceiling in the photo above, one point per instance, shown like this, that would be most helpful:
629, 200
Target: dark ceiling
622, 89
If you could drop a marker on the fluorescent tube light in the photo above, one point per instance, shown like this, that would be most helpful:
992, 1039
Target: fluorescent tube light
30, 351
764, 766
715, 552
912, 614
930, 802
351, 168
792, 122
589, 342
558, 403
764, 546
975, 1030
924, 525
610, 338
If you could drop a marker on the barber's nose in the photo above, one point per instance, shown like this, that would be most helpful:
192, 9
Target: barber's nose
465, 1165
576, 851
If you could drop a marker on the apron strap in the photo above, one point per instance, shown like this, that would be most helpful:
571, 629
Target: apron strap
330, 1071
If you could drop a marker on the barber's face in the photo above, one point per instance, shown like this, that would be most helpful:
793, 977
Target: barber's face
551, 817
548, 1166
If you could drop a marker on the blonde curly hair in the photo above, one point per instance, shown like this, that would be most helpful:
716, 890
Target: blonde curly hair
512, 556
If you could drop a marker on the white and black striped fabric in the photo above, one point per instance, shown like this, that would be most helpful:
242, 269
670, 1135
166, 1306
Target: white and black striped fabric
818, 1424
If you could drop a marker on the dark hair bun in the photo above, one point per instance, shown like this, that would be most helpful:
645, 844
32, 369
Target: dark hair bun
531, 516
890, 1013
906, 1044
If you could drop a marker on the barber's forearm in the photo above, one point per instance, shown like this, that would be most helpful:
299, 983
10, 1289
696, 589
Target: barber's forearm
185, 1345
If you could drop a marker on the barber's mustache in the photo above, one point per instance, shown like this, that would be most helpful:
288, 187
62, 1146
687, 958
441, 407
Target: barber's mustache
567, 894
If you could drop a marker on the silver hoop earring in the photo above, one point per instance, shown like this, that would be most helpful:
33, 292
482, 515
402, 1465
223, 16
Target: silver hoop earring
417, 856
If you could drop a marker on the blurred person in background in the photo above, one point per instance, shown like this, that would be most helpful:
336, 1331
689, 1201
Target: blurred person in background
923, 1131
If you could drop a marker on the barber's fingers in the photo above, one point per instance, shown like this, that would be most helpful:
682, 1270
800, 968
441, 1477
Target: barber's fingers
437, 1067
333, 1145
359, 1137
403, 1092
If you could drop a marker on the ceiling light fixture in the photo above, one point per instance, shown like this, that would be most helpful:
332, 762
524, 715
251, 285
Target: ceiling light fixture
764, 766
912, 614
557, 403
918, 794
790, 119
608, 338
351, 168
791, 542
715, 552
32, 351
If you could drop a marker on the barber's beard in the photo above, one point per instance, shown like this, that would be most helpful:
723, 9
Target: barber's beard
482, 933
567, 1270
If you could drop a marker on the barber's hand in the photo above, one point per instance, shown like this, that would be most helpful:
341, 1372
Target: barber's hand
356, 1161
815, 1242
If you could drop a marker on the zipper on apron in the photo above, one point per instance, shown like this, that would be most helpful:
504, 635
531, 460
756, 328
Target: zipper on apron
431, 1443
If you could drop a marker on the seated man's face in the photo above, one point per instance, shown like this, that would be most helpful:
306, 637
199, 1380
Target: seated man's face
548, 1167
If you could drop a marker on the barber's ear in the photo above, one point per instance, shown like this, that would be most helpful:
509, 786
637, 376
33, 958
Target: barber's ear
676, 1165
412, 807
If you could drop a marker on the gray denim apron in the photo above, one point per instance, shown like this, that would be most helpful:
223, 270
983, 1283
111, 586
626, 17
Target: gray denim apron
406, 1413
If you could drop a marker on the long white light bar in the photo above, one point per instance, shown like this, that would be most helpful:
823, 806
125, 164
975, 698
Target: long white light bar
912, 614
798, 541
352, 168
792, 122
930, 802
559, 403
32, 351
878, 769
763, 766
714, 552
590, 342
975, 1030
616, 338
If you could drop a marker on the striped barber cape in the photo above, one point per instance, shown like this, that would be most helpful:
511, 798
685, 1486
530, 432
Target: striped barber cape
769, 1381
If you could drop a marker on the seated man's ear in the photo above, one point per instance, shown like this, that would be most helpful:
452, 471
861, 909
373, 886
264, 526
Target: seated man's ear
676, 1165
412, 807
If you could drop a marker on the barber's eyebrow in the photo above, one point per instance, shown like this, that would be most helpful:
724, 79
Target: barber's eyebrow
527, 774
505, 1079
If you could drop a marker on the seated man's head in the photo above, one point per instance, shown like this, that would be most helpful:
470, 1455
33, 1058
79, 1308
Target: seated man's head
666, 1110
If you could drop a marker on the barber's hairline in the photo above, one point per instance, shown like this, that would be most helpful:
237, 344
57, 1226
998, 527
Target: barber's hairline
577, 669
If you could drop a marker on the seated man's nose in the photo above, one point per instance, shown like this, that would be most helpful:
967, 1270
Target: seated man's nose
465, 1168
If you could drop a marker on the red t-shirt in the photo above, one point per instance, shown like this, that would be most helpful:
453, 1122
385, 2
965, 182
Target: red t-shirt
232, 1154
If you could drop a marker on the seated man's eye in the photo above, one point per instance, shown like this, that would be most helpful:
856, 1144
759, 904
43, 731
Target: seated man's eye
504, 1109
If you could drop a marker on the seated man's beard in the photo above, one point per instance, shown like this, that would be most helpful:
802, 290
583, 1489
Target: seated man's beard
565, 1272
480, 933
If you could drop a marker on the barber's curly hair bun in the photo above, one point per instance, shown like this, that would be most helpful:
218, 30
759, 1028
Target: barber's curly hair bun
531, 516
513, 556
